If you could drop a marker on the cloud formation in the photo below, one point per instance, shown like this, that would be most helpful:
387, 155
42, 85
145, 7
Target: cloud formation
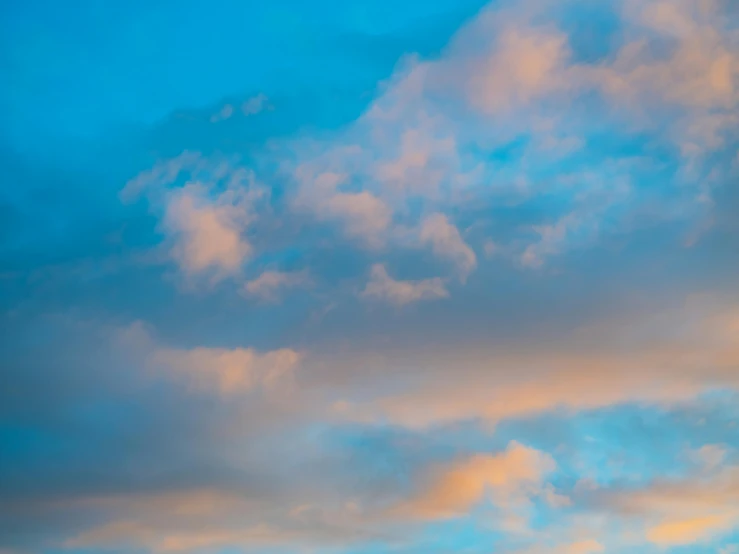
462, 278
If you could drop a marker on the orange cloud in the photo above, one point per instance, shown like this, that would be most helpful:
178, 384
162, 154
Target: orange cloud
689, 531
453, 490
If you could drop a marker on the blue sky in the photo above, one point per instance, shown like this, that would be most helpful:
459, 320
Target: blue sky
369, 277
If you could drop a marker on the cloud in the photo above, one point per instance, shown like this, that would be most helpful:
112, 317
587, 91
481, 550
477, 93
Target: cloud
423, 162
601, 365
515, 74
453, 490
224, 113
270, 283
229, 372
195, 520
207, 235
587, 546
254, 105
446, 242
683, 511
700, 70
363, 215
522, 65
688, 507
164, 173
540, 129
710, 456
553, 239
384, 287
206, 206
689, 531
583, 547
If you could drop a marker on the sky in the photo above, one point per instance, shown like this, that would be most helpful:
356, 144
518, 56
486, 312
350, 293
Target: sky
369, 277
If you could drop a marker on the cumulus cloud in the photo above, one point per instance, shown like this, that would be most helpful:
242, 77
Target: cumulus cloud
513, 74
383, 287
